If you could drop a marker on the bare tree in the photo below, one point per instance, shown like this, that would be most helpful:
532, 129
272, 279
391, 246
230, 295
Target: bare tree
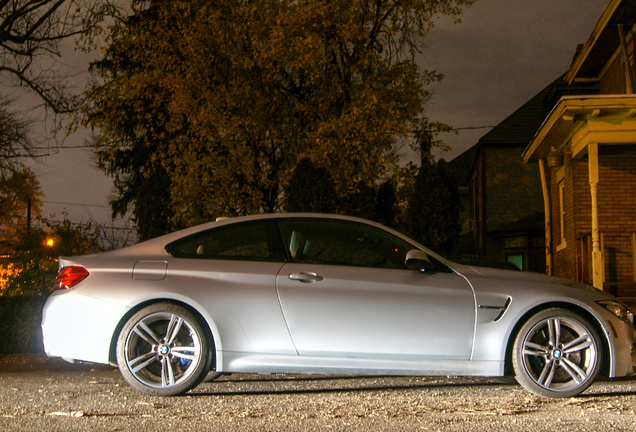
18, 184
14, 140
31, 33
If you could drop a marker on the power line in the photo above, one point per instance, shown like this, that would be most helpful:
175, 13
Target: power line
88, 146
75, 204
72, 147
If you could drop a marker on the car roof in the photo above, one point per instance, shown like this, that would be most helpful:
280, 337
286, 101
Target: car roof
158, 243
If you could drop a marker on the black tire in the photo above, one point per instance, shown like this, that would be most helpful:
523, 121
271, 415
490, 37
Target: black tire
556, 353
211, 376
164, 350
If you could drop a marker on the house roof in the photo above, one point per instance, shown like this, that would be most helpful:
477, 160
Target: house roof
516, 130
520, 126
603, 41
603, 118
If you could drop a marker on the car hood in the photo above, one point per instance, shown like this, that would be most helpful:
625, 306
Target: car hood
520, 277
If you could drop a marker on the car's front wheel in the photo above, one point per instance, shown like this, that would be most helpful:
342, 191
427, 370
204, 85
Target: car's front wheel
163, 350
557, 353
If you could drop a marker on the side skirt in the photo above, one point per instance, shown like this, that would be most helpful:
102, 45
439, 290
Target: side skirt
238, 362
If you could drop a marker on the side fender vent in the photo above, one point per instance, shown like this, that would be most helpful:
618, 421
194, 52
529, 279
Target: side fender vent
502, 309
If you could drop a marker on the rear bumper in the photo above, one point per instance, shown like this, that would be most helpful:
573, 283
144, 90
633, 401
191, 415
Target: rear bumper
78, 327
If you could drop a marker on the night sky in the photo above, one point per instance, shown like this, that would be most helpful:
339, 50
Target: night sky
500, 55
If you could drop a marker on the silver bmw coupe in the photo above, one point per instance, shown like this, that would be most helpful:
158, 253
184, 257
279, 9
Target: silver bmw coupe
309, 293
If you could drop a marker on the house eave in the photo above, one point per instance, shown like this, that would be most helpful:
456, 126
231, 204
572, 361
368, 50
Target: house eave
596, 114
596, 42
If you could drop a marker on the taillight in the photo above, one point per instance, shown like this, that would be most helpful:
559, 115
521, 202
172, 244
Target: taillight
70, 276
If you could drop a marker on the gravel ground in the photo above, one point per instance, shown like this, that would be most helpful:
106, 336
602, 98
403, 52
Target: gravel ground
40, 394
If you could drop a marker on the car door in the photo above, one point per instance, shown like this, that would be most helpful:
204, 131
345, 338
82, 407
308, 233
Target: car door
346, 292
230, 270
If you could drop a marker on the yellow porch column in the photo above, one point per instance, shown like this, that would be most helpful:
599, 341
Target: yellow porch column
548, 218
597, 253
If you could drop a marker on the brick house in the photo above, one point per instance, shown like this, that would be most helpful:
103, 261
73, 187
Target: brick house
502, 194
586, 156
502, 221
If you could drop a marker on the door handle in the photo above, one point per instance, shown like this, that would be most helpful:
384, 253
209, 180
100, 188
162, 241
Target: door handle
306, 277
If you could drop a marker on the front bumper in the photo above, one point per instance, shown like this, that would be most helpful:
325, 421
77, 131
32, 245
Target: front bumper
622, 335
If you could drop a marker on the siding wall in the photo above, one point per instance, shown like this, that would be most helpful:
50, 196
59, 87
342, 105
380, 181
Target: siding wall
513, 188
613, 80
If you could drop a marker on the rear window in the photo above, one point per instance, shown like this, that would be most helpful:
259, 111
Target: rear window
249, 241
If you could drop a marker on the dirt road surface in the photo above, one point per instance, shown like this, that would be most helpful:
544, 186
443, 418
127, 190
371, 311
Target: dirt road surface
40, 394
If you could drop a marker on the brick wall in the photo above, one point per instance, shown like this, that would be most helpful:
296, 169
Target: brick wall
617, 217
617, 213
565, 257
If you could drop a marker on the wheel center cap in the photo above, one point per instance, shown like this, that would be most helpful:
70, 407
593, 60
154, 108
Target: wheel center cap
557, 353
163, 350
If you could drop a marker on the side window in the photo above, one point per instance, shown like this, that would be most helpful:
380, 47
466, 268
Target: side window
249, 241
335, 242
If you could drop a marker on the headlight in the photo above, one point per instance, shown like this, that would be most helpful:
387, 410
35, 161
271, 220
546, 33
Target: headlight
618, 309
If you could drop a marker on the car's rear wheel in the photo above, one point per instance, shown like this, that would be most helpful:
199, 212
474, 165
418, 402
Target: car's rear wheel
211, 376
164, 350
557, 353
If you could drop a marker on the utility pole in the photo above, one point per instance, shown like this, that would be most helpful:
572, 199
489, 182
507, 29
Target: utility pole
28, 227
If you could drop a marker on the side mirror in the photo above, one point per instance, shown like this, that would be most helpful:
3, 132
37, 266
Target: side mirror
416, 260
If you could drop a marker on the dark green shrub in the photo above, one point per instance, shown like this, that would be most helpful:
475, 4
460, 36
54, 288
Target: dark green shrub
20, 319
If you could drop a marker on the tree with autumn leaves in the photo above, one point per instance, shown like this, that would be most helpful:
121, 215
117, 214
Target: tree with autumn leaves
31, 35
19, 187
206, 108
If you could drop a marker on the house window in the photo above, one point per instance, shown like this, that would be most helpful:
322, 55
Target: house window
516, 260
562, 242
